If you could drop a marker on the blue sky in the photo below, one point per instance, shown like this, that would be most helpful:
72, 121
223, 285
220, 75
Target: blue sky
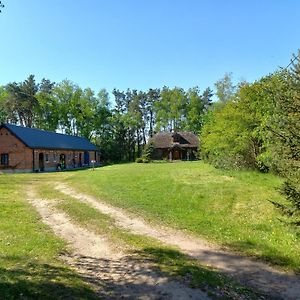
145, 44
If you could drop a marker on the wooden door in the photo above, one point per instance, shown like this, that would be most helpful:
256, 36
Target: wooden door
41, 162
176, 155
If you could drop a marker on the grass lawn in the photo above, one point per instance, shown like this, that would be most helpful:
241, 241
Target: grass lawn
29, 268
168, 260
230, 208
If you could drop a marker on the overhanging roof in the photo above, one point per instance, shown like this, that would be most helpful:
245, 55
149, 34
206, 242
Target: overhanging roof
36, 138
185, 140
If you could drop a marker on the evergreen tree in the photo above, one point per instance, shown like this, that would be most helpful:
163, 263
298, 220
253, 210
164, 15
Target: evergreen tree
285, 128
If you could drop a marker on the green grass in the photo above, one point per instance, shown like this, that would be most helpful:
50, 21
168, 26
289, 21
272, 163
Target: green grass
29, 265
229, 208
168, 260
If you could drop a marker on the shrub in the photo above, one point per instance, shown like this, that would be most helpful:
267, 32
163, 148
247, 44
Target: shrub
139, 160
148, 150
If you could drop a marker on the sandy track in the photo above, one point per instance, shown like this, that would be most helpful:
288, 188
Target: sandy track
113, 274
285, 285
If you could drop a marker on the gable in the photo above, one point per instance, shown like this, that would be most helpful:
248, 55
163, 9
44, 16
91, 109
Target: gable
8, 138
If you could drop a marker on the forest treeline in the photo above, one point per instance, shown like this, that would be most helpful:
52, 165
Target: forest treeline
121, 127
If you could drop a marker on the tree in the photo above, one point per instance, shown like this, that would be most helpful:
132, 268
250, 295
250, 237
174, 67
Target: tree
86, 113
104, 133
21, 101
285, 137
3, 108
197, 107
225, 89
226, 138
236, 133
48, 108
117, 121
171, 109
152, 97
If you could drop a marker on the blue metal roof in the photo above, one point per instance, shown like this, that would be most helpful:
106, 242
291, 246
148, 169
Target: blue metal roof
36, 138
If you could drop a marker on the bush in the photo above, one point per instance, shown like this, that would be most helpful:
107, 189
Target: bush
139, 160
148, 150
142, 159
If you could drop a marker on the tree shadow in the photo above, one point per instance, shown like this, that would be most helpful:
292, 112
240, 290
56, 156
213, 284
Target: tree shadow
216, 284
160, 273
236, 269
131, 277
267, 253
153, 272
36, 280
127, 278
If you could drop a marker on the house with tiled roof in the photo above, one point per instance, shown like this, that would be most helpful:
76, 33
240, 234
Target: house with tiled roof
25, 149
175, 145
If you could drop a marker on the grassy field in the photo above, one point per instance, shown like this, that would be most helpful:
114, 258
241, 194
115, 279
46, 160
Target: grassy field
29, 262
229, 208
29, 268
168, 260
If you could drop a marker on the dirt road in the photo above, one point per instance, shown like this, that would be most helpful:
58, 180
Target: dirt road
243, 269
113, 274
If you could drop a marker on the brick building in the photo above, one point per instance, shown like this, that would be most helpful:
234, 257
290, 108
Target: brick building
25, 149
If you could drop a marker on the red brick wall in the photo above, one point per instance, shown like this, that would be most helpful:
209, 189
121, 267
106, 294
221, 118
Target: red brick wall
20, 156
72, 158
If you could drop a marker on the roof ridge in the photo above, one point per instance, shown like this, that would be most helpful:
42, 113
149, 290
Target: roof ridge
43, 130
39, 138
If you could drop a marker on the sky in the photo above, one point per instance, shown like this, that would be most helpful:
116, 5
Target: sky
142, 44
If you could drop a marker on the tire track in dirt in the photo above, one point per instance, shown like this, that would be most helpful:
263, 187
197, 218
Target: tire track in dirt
114, 275
250, 272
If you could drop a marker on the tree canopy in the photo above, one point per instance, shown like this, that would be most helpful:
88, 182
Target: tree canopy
121, 126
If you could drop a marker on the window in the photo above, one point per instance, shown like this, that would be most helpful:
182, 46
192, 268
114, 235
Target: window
4, 159
47, 157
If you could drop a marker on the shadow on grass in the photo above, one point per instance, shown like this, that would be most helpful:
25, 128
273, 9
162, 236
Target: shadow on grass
41, 281
267, 253
152, 272
132, 277
148, 272
219, 286
127, 278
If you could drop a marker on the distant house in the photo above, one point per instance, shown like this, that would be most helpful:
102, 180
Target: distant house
175, 146
25, 149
